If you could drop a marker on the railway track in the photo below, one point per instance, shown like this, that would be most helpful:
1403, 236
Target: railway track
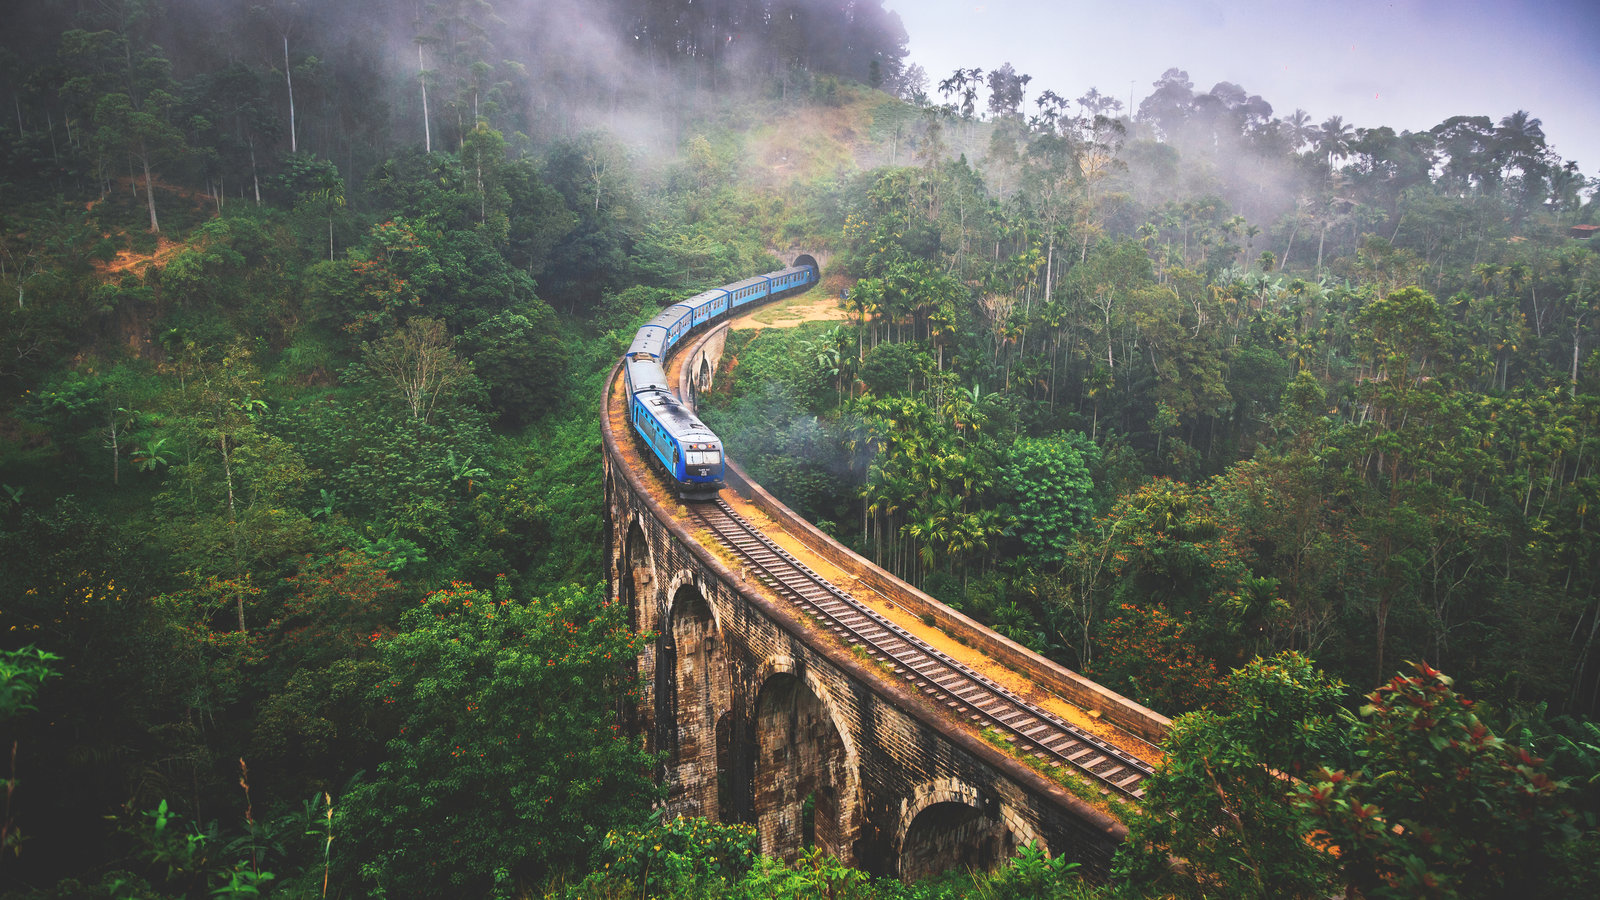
961, 690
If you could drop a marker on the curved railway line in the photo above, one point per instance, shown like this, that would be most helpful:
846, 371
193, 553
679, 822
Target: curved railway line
962, 691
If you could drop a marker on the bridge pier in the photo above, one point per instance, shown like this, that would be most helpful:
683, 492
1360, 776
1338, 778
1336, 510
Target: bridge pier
692, 653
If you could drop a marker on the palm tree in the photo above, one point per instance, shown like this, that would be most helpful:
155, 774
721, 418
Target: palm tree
1518, 145
1299, 129
1334, 139
1519, 139
1487, 273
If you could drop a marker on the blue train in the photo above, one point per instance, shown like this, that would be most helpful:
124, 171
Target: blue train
687, 450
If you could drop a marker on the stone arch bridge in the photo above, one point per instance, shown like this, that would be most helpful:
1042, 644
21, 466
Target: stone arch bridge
766, 719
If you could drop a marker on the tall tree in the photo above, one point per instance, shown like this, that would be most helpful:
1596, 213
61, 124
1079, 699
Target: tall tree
126, 90
420, 362
1006, 89
1333, 140
285, 18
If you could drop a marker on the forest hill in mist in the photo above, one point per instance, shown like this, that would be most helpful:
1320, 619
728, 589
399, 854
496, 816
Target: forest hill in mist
1238, 410
357, 68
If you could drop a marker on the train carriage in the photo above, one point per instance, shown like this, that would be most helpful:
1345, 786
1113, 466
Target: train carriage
665, 330
750, 290
790, 278
707, 306
643, 373
651, 341
686, 449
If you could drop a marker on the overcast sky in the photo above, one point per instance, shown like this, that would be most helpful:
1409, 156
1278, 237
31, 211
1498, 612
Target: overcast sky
1408, 64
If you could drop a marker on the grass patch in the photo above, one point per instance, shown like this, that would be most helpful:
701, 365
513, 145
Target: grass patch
865, 655
706, 539
1068, 777
789, 308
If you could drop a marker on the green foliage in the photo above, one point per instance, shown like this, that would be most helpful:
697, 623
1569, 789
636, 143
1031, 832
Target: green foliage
176, 857
1439, 806
1219, 802
697, 860
1165, 545
625, 310
231, 504
178, 852
22, 673
1034, 874
1050, 482
1284, 794
679, 858
508, 759
927, 471
520, 354
399, 485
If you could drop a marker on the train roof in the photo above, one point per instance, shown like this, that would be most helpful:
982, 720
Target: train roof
789, 271
748, 282
646, 375
669, 316
650, 339
676, 418
704, 297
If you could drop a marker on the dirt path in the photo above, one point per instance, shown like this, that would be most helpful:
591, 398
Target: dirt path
812, 306
128, 259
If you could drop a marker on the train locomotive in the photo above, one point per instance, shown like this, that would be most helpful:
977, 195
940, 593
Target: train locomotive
688, 451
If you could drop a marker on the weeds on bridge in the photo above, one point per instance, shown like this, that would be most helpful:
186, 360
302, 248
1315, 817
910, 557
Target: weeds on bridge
865, 655
1088, 791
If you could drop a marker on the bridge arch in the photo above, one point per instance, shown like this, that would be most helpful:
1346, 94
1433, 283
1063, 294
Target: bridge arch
694, 700
806, 780
636, 573
702, 375
673, 591
947, 823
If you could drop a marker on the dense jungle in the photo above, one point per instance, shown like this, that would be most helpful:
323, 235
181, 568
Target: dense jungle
1286, 429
